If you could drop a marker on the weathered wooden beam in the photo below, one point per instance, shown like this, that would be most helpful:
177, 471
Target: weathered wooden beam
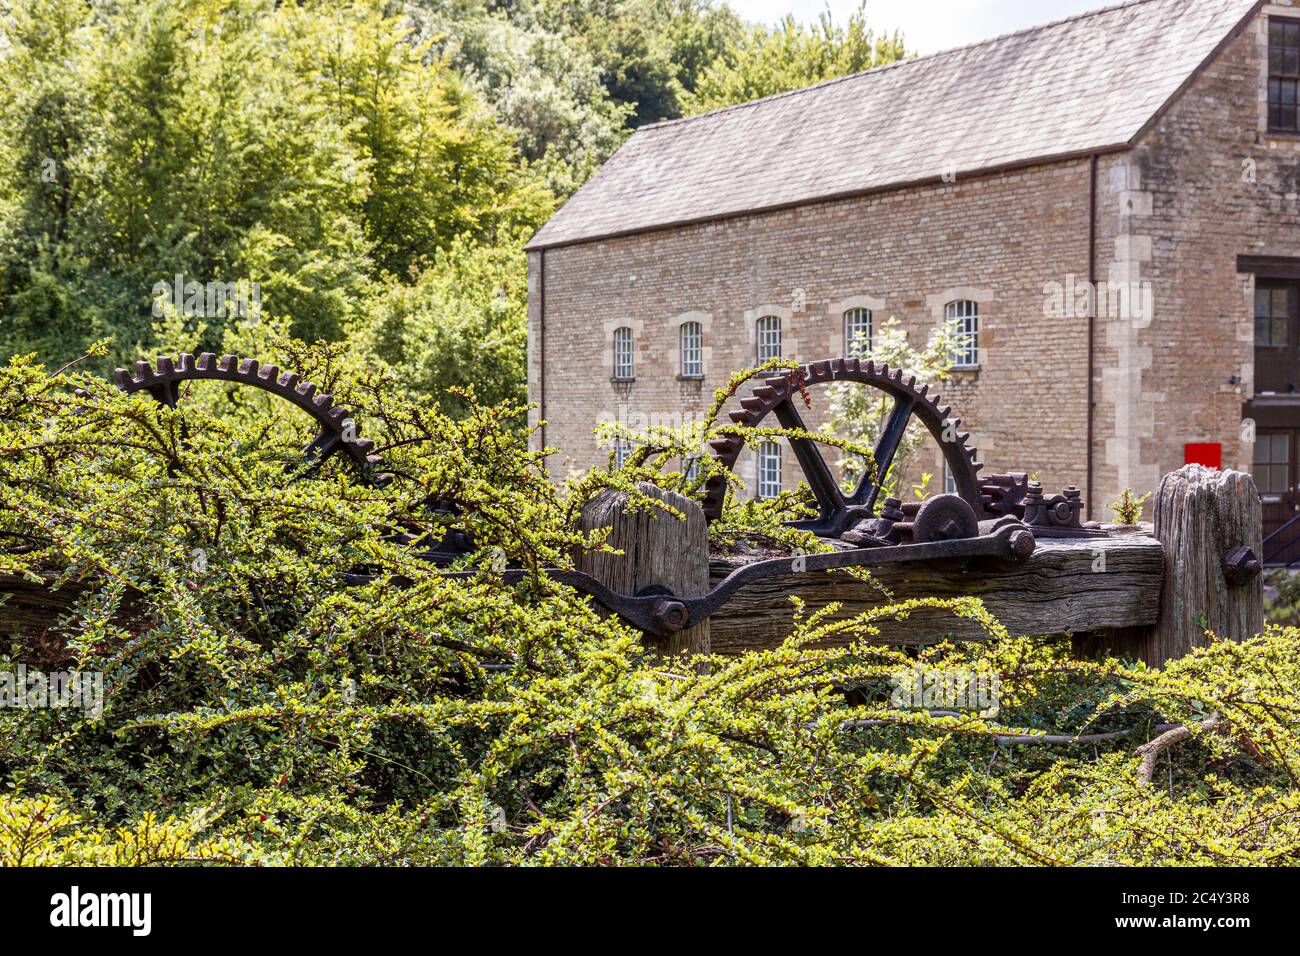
1202, 514
657, 549
1083, 585
27, 608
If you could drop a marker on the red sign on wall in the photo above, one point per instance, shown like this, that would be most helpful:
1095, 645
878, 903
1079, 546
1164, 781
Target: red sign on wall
1209, 454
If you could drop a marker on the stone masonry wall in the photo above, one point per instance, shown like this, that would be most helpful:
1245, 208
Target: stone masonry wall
996, 239
1205, 184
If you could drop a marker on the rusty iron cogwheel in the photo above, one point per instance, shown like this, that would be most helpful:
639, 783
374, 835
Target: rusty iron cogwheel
837, 512
163, 383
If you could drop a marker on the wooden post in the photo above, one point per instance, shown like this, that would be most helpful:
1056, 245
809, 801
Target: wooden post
658, 549
1201, 515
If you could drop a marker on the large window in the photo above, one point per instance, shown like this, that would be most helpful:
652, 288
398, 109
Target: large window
769, 337
857, 332
622, 451
964, 317
1283, 73
769, 469
1277, 334
1272, 313
623, 368
692, 345
1272, 464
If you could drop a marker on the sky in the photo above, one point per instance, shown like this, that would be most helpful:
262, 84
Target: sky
928, 25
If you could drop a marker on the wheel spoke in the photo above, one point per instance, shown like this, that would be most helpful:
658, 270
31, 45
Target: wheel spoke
323, 446
168, 393
823, 484
890, 438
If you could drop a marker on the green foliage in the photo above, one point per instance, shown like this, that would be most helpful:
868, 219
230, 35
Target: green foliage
791, 56
463, 323
1128, 506
311, 148
256, 710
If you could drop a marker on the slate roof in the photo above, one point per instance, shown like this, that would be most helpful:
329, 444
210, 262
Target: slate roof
1087, 84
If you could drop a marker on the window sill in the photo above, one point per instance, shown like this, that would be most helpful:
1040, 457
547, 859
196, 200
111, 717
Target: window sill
965, 371
690, 378
622, 381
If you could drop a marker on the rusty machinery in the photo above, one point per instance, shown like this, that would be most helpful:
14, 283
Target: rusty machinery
995, 517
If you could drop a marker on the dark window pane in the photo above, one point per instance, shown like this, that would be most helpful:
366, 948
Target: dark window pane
1262, 300
1288, 117
1261, 331
1279, 332
1274, 31
1291, 62
1279, 302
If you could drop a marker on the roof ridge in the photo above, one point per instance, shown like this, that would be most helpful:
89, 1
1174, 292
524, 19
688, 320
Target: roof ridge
1110, 8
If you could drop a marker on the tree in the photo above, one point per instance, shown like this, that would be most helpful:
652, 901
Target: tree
791, 56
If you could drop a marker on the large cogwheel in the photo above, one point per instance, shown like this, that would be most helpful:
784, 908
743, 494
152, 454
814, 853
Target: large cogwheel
837, 512
338, 433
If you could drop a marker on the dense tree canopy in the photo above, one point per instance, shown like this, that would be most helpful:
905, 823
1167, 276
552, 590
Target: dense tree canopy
363, 165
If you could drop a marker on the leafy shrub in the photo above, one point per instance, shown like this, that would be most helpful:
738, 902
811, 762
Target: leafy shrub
259, 711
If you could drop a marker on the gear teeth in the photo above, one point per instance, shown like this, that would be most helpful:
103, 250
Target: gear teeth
336, 414
269, 373
143, 372
226, 363
767, 394
121, 377
166, 366
323, 401
249, 367
306, 390
204, 362
288, 380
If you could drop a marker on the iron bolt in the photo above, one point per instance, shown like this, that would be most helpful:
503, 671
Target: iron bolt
1240, 565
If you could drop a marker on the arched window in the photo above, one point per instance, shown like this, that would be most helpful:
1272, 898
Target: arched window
622, 451
692, 345
623, 369
964, 318
857, 332
769, 337
769, 469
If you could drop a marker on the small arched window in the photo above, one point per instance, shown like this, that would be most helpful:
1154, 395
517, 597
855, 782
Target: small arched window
964, 318
769, 469
857, 332
623, 368
692, 346
769, 337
